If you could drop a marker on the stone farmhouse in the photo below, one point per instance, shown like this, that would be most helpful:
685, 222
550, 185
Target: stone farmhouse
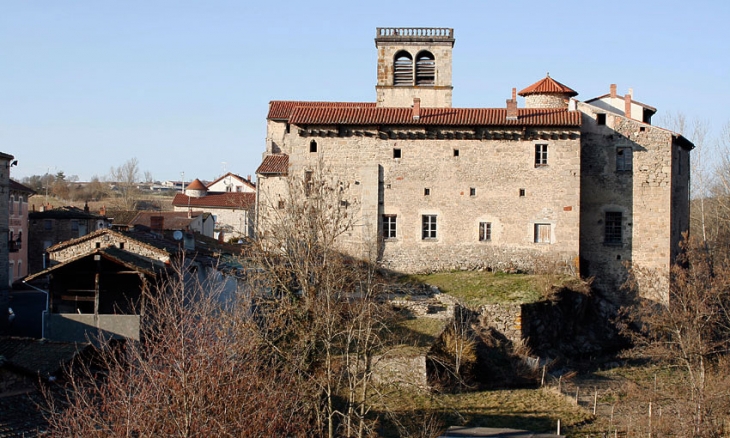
589, 187
230, 199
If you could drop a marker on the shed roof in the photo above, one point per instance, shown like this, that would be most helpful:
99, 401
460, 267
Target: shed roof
233, 200
275, 164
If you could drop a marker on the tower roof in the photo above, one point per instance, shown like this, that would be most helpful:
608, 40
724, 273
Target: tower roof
548, 85
196, 185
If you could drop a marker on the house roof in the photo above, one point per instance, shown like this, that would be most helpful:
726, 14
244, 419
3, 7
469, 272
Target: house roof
313, 115
38, 356
64, 213
233, 200
238, 177
196, 184
548, 85
121, 217
276, 164
174, 220
18, 187
153, 244
281, 109
620, 97
122, 257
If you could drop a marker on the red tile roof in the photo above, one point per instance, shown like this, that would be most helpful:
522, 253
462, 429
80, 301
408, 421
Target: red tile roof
277, 164
196, 185
548, 85
174, 220
314, 115
237, 200
281, 109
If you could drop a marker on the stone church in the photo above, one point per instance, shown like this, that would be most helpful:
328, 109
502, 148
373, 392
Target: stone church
589, 187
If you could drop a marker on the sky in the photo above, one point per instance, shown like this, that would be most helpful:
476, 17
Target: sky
183, 86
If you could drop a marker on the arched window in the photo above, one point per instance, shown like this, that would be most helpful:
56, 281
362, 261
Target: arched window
403, 69
425, 69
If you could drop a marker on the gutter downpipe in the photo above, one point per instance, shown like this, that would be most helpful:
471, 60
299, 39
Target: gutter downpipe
45, 312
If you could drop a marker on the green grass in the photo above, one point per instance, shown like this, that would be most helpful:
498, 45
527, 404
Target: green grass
477, 288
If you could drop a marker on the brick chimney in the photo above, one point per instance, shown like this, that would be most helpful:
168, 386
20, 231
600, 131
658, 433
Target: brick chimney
613, 90
627, 105
512, 106
416, 108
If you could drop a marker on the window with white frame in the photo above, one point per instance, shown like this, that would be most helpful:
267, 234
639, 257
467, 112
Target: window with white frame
428, 227
389, 226
542, 233
541, 155
485, 231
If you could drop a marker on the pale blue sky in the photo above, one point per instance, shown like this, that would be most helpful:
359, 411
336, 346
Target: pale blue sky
184, 85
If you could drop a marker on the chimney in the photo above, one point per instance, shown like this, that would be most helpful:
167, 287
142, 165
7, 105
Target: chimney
416, 108
86, 207
248, 177
102, 210
512, 106
613, 90
627, 105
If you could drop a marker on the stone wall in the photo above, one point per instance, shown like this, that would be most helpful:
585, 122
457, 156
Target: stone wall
107, 239
397, 368
505, 318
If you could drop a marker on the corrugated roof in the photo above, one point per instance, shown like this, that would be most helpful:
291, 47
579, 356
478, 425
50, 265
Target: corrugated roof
196, 185
277, 164
237, 200
281, 109
548, 85
433, 116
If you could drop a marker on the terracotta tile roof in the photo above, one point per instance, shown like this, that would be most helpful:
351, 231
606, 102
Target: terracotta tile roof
281, 109
174, 220
237, 200
196, 185
548, 85
433, 116
242, 179
277, 164
18, 187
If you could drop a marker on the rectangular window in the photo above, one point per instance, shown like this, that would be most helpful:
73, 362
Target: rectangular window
601, 119
396, 153
542, 233
456, 152
613, 232
428, 229
485, 231
74, 225
522, 193
472, 191
312, 146
624, 160
541, 155
48, 224
426, 192
389, 226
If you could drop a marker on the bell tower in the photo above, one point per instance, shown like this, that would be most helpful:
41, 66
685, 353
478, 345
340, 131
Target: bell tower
414, 62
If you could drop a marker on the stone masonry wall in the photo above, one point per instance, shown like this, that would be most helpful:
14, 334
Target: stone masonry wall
106, 240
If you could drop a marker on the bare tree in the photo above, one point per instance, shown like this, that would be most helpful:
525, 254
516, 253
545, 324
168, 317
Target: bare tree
125, 179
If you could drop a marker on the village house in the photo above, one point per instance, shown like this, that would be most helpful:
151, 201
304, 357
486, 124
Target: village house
188, 221
6, 162
53, 225
589, 187
230, 199
18, 234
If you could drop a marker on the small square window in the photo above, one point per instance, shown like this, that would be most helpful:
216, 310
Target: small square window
397, 153
542, 233
389, 226
428, 226
472, 191
98, 245
426, 192
485, 231
456, 152
121, 245
280, 205
47, 224
522, 193
601, 119
312, 146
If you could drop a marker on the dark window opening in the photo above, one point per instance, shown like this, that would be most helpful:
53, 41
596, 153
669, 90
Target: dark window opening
281, 205
522, 192
121, 245
624, 159
425, 69
98, 245
397, 153
613, 229
313, 146
472, 191
428, 226
426, 192
456, 152
74, 225
601, 119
